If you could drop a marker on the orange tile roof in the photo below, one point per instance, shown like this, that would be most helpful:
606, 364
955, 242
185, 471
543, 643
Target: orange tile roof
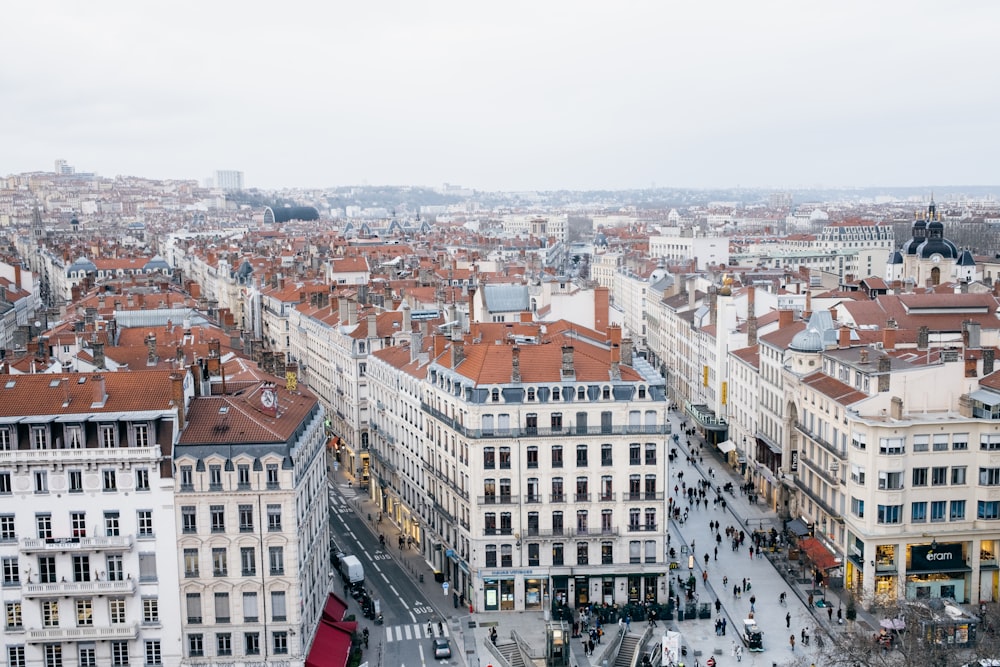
126, 392
239, 418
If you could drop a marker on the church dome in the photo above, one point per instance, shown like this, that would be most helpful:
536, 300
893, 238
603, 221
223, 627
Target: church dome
895, 257
919, 236
936, 243
808, 340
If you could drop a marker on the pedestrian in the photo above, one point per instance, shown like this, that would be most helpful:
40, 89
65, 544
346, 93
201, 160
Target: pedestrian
590, 645
829, 613
744, 583
753, 602
810, 598
736, 590
628, 624
751, 552
840, 616
791, 640
718, 605
788, 620
585, 650
725, 580
739, 654
716, 553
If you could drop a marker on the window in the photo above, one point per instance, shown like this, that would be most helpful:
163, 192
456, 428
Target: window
558, 553
582, 553
606, 422
858, 507
190, 562
116, 567
556, 421
75, 481
144, 521
251, 641
219, 566
50, 613
39, 437
189, 519
112, 524
557, 490
14, 620
959, 441
607, 553
278, 611
957, 511
7, 532
607, 458
153, 653
250, 608
150, 611
531, 456
505, 458
581, 455
142, 479
196, 647
989, 476
110, 480
222, 607
557, 523
582, 527
78, 523
5, 440
224, 643
958, 476
84, 612
889, 514
557, 456
15, 656
490, 523
43, 524
920, 477
859, 440
921, 443
890, 480
491, 555
246, 518
489, 458
243, 476
5, 487
81, 568
534, 559
891, 446
988, 509
918, 512
215, 478
116, 610
276, 560
941, 442
582, 491
218, 515
41, 482
650, 546
989, 441
187, 479
47, 569
581, 421
194, 607
107, 436
271, 470
531, 423
147, 567
607, 488
53, 655
650, 516
939, 476
248, 561
938, 508
280, 642
650, 453
274, 518
634, 454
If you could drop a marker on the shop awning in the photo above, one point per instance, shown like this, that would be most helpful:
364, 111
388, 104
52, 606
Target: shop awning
332, 644
335, 608
818, 554
985, 397
770, 445
727, 446
799, 527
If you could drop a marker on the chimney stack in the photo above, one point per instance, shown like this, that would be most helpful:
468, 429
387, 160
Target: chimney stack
177, 396
457, 352
416, 344
100, 393
889, 335
372, 326
884, 369
515, 365
923, 337
97, 349
844, 340
627, 350
784, 318
989, 356
151, 350
567, 362
752, 316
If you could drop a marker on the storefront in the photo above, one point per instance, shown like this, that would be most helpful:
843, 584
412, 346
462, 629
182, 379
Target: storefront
988, 571
937, 571
535, 590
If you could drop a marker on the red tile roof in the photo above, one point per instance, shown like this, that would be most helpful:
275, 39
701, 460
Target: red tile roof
238, 417
22, 395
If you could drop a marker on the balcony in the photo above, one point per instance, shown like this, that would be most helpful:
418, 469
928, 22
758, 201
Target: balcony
97, 543
538, 432
78, 588
533, 498
498, 531
95, 456
839, 453
90, 633
643, 495
606, 497
642, 528
498, 500
557, 498
581, 497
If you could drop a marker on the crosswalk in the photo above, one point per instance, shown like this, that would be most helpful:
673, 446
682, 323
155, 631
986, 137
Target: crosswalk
398, 633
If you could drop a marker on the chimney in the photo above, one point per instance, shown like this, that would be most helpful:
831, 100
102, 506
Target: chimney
515, 365
923, 338
352, 312
75, 293
100, 394
883, 368
889, 335
180, 355
833, 313
975, 336
151, 349
627, 348
457, 352
616, 371
752, 316
970, 366
472, 304
42, 351
784, 318
567, 362
807, 313
407, 322
214, 348
177, 396
372, 326
439, 345
342, 309
615, 334
844, 340
713, 305
896, 408
97, 349
863, 355
416, 344
66, 396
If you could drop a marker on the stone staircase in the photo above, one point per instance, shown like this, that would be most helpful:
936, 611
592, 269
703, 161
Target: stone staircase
627, 650
511, 654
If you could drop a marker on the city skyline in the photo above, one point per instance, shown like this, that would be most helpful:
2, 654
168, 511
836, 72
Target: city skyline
582, 96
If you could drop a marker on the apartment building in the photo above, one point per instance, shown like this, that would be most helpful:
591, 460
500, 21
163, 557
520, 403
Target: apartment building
90, 564
586, 419
253, 523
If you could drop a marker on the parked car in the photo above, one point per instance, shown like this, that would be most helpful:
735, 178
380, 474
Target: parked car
442, 648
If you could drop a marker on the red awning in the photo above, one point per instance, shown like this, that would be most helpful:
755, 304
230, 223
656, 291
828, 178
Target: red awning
332, 645
818, 554
334, 609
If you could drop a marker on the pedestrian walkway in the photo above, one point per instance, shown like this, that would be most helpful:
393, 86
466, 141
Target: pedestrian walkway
395, 633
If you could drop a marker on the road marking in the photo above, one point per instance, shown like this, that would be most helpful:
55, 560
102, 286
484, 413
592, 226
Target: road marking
385, 578
396, 633
394, 591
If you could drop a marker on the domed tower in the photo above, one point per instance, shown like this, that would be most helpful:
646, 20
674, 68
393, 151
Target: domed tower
936, 253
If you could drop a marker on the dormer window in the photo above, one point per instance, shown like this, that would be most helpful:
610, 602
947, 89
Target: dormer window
606, 393
495, 396
642, 391
531, 393
581, 393
556, 394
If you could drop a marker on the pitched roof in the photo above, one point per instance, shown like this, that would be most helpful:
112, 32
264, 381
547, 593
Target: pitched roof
46, 394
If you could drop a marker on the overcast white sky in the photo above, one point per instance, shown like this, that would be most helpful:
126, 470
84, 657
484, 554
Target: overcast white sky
506, 95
